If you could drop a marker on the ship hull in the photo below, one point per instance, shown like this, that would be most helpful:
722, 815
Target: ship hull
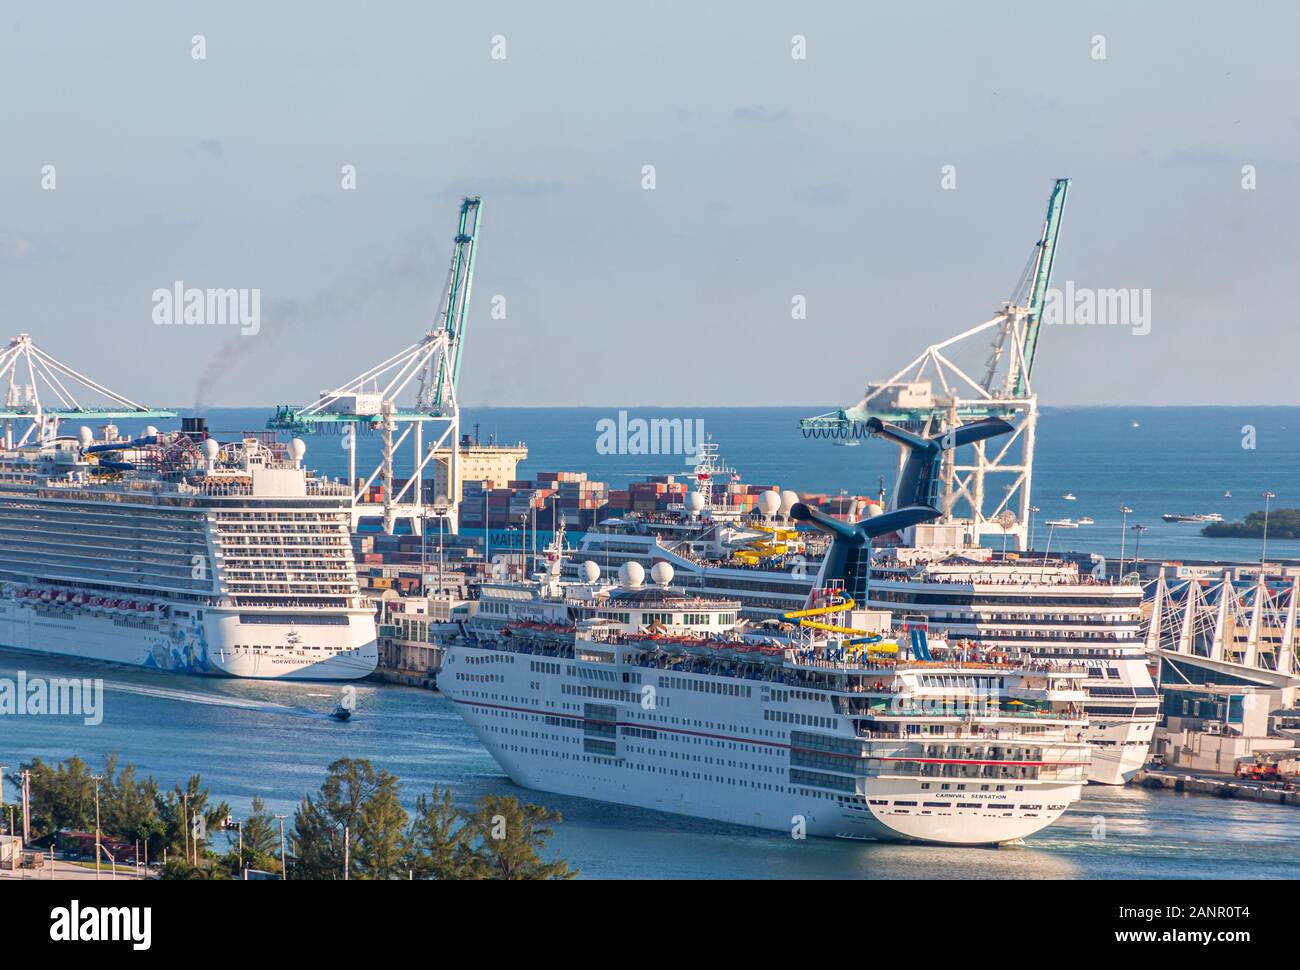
1119, 748
997, 819
219, 645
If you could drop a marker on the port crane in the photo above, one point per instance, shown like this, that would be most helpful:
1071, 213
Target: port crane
909, 398
25, 369
430, 368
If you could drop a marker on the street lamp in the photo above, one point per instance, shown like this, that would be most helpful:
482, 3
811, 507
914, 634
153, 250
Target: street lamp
284, 872
1263, 549
1138, 529
1123, 532
96, 779
1032, 510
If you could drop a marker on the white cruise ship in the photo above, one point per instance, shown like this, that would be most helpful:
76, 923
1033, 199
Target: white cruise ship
177, 552
1048, 610
652, 697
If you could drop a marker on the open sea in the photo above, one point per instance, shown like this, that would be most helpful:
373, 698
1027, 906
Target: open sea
249, 738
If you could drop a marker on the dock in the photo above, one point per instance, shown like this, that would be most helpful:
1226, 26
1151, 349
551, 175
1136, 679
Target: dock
1225, 786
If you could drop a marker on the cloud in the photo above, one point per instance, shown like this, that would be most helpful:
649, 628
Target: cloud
14, 248
498, 187
758, 112
1196, 157
823, 193
210, 147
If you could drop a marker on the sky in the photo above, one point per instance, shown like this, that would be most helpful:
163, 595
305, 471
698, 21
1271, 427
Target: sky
894, 178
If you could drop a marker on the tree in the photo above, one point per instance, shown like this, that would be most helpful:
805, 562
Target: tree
511, 835
364, 801
187, 818
439, 843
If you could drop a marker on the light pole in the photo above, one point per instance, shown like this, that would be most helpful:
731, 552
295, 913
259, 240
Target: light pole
284, 871
1123, 533
1138, 529
96, 779
1263, 549
1032, 510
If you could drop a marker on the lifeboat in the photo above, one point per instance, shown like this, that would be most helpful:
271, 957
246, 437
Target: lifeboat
78, 600
46, 596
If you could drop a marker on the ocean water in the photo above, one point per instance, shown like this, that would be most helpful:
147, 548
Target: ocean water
1177, 460
250, 738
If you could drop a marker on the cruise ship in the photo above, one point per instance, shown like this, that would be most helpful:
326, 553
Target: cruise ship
650, 696
178, 552
1045, 608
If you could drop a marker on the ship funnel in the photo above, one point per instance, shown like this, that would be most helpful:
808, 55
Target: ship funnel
849, 557
918, 482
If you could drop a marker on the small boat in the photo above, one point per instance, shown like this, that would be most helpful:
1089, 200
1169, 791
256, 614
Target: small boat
846, 444
1069, 496
1227, 495
1063, 523
1085, 520
1136, 424
341, 713
1194, 517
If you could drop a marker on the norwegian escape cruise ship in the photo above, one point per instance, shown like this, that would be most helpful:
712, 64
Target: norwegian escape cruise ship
647, 696
179, 552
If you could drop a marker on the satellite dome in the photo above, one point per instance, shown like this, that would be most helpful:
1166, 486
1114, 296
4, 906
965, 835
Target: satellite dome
211, 448
297, 448
769, 502
788, 499
150, 431
590, 571
87, 436
662, 573
874, 509
694, 502
631, 574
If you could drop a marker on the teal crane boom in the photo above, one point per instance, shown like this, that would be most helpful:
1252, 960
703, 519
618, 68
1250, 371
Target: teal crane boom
1041, 280
455, 310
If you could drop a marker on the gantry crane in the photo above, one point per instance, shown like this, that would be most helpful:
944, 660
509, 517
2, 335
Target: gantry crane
370, 400
26, 368
909, 399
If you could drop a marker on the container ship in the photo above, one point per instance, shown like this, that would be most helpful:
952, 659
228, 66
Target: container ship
179, 552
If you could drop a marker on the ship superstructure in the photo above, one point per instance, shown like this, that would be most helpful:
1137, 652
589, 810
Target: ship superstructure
1045, 608
179, 552
650, 696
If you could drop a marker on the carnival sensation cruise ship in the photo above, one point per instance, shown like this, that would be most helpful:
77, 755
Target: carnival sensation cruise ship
178, 552
834, 726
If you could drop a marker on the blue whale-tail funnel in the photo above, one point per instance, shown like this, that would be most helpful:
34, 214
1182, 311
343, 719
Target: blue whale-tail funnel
918, 482
849, 557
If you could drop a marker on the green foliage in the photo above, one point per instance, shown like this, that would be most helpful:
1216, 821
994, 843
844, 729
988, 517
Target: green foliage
500, 838
439, 845
363, 801
1282, 524
510, 835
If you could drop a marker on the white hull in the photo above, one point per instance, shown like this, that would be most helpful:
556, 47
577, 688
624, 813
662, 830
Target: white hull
716, 757
219, 645
1119, 748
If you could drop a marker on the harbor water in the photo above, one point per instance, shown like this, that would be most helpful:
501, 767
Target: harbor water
274, 740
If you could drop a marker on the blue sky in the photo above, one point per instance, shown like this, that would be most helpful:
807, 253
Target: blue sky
774, 178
